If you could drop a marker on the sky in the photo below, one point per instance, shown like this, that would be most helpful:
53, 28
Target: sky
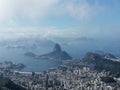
60, 18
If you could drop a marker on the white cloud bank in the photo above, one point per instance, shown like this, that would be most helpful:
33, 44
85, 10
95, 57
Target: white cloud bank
34, 9
103, 32
25, 8
39, 9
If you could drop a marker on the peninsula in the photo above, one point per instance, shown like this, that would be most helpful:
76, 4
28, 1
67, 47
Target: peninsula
56, 54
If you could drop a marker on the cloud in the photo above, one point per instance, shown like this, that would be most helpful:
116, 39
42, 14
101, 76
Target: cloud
41, 32
39, 9
49, 32
80, 10
102, 31
31, 9
12, 11
6, 9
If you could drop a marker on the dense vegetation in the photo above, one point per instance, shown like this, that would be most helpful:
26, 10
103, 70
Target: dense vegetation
100, 63
7, 84
108, 79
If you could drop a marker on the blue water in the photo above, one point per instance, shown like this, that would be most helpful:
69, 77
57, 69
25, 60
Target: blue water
32, 64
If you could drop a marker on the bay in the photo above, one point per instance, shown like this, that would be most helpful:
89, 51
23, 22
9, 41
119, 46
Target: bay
17, 55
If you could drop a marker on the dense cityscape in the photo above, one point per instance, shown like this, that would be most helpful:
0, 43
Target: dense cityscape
68, 76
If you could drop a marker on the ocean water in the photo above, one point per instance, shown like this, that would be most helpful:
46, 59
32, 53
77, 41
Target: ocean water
77, 51
17, 55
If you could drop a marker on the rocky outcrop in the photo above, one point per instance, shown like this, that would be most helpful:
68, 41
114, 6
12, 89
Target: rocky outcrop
56, 54
102, 63
91, 57
109, 56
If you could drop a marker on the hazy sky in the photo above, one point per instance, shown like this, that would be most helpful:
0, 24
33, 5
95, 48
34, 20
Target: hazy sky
64, 18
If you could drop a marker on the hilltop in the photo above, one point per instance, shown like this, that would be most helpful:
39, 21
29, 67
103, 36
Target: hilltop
56, 54
7, 84
106, 62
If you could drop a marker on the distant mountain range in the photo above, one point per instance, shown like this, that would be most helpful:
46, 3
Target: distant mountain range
26, 43
36, 42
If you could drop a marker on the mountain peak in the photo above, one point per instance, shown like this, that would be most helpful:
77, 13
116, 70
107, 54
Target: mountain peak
91, 57
56, 54
109, 55
57, 48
